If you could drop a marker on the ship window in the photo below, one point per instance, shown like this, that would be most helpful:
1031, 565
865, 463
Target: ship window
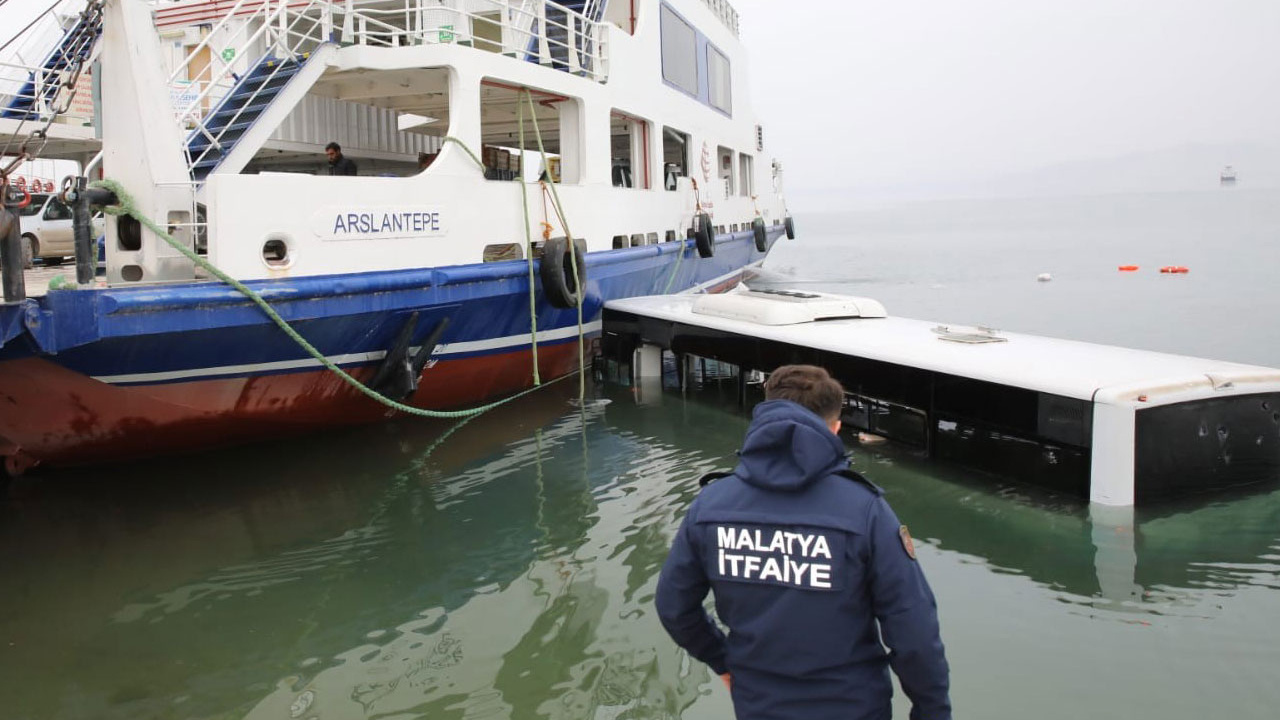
724, 168
679, 52
629, 151
384, 135
675, 156
746, 174
558, 120
720, 81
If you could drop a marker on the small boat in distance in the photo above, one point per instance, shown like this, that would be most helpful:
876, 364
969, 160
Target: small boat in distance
1227, 177
439, 269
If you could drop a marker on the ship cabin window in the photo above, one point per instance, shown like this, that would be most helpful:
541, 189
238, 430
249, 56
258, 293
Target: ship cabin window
675, 156
628, 151
679, 52
394, 125
557, 116
724, 168
719, 80
746, 175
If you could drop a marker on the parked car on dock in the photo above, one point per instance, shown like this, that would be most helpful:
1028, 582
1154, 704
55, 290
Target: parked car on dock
46, 229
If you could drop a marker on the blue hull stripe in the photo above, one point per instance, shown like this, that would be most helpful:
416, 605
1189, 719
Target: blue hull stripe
174, 333
450, 352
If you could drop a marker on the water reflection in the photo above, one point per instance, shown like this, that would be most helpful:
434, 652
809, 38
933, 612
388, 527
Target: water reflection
1114, 558
500, 568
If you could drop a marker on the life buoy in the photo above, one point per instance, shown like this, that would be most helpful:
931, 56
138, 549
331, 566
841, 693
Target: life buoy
704, 235
1128, 268
761, 237
790, 227
562, 287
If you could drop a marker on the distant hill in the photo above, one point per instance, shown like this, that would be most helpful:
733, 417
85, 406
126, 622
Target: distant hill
1179, 169
1189, 167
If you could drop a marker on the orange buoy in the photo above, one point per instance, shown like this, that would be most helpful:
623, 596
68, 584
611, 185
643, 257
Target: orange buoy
1128, 268
1174, 269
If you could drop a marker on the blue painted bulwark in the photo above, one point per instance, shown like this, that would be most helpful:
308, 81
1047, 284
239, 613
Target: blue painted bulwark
75, 46
238, 111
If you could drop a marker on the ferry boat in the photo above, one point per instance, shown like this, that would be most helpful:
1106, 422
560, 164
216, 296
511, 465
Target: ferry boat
519, 163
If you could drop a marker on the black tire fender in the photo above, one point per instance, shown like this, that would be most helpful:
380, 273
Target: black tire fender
761, 237
561, 286
704, 235
790, 227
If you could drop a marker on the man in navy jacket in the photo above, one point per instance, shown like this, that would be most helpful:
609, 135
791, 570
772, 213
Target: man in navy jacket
812, 573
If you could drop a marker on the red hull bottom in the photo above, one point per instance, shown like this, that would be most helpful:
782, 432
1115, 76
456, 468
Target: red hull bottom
52, 415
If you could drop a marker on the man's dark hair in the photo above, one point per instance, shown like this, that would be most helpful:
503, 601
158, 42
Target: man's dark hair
333, 146
807, 385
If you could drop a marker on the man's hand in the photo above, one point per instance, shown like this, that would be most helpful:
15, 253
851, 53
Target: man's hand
727, 682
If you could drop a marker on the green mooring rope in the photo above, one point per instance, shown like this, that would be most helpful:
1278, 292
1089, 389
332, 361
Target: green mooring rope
528, 249
573, 255
125, 206
676, 268
459, 143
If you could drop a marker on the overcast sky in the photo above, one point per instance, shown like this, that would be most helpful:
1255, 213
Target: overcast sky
921, 97
898, 93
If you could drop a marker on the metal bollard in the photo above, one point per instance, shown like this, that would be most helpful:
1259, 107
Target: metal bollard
82, 230
11, 273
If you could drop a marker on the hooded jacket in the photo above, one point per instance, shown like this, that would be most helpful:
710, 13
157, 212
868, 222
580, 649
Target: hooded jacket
813, 575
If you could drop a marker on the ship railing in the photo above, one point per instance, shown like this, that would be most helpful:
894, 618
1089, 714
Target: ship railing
250, 30
288, 29
564, 38
29, 89
725, 12
537, 30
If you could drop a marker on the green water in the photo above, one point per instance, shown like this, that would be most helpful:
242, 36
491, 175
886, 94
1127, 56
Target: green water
505, 568
510, 573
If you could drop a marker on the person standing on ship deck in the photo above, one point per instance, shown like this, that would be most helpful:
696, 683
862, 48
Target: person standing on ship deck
339, 164
811, 572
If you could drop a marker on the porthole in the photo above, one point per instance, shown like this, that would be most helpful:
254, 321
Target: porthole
276, 253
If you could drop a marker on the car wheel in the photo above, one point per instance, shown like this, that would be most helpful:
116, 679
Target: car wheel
30, 248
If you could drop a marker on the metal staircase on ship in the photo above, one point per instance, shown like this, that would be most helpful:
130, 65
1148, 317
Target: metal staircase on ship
300, 38
560, 22
217, 136
44, 94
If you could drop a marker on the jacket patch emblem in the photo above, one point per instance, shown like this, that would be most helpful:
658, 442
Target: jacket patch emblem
907, 544
776, 556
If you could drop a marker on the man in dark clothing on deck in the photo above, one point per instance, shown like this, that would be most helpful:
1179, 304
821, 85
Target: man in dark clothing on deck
339, 164
811, 571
